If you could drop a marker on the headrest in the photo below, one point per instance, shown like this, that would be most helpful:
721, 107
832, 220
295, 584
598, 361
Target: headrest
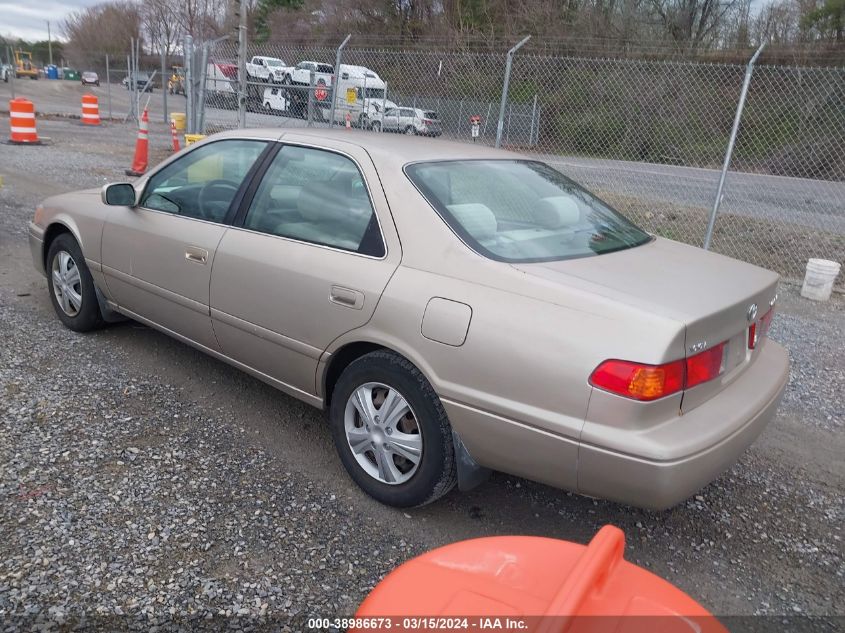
322, 202
477, 219
556, 212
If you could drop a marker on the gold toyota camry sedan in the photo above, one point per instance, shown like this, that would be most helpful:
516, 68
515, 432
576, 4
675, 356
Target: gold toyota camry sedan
456, 309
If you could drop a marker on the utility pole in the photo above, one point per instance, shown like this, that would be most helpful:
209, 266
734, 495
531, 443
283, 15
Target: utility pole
49, 43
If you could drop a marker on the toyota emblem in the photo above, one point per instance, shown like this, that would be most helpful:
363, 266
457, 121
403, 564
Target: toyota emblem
752, 312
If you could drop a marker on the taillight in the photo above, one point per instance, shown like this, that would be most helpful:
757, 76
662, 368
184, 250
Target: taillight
428, 121
638, 381
752, 336
705, 366
760, 328
650, 382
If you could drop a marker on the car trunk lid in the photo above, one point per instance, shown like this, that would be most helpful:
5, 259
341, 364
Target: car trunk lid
711, 294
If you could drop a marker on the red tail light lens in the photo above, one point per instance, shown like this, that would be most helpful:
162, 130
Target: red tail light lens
638, 381
650, 382
705, 366
760, 328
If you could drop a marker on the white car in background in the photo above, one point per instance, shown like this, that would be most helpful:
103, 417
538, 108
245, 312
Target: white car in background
413, 121
274, 99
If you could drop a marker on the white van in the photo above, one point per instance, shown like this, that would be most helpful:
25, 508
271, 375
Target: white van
361, 93
274, 99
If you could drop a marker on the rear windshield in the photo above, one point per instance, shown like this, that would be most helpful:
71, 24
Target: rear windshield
522, 211
325, 68
430, 114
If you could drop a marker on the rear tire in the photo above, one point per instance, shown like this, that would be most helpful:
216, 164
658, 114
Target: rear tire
72, 290
424, 422
376, 126
410, 131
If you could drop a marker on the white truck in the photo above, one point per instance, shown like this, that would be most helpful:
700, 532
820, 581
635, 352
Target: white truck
301, 73
266, 69
362, 94
221, 85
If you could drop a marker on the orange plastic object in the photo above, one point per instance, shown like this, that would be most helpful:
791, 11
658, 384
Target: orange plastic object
90, 110
22, 121
547, 585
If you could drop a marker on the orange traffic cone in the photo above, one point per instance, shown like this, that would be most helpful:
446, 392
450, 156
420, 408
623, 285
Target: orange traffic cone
142, 147
174, 137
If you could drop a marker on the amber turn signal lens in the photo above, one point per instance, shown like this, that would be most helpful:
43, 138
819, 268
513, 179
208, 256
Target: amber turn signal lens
638, 381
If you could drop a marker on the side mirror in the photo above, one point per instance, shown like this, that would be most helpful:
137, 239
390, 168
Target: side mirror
119, 194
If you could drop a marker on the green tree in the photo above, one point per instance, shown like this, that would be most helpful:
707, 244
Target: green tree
829, 19
263, 11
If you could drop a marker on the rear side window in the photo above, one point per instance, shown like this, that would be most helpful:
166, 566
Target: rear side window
316, 196
522, 211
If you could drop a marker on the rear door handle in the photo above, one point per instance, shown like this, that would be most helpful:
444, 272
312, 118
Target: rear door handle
196, 254
347, 297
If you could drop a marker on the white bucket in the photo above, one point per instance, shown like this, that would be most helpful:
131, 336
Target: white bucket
818, 281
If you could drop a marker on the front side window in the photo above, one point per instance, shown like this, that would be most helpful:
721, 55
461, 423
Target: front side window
316, 196
203, 183
522, 211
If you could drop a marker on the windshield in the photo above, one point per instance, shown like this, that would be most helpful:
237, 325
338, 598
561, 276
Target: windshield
274, 62
522, 211
375, 93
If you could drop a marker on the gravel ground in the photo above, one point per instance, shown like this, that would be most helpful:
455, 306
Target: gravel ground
142, 483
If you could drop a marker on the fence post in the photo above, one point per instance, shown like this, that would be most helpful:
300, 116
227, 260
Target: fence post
243, 87
108, 85
203, 76
500, 126
311, 86
164, 84
711, 223
336, 77
189, 83
14, 70
531, 141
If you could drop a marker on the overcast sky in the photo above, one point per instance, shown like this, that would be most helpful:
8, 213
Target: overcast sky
28, 20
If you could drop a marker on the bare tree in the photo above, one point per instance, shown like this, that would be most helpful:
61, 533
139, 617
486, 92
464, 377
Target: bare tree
161, 24
102, 29
691, 23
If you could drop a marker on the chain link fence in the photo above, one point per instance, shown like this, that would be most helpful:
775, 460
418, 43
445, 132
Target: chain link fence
648, 136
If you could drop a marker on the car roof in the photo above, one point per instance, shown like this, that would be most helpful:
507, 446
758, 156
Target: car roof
385, 149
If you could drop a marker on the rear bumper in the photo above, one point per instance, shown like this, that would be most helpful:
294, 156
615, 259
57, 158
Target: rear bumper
743, 410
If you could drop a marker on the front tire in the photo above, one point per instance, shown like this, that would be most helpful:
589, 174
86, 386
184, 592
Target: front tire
391, 431
376, 126
71, 286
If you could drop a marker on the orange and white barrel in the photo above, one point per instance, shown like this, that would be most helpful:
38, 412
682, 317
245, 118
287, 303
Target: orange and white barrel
90, 110
22, 121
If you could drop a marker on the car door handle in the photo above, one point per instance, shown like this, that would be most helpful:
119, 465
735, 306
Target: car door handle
196, 254
347, 297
